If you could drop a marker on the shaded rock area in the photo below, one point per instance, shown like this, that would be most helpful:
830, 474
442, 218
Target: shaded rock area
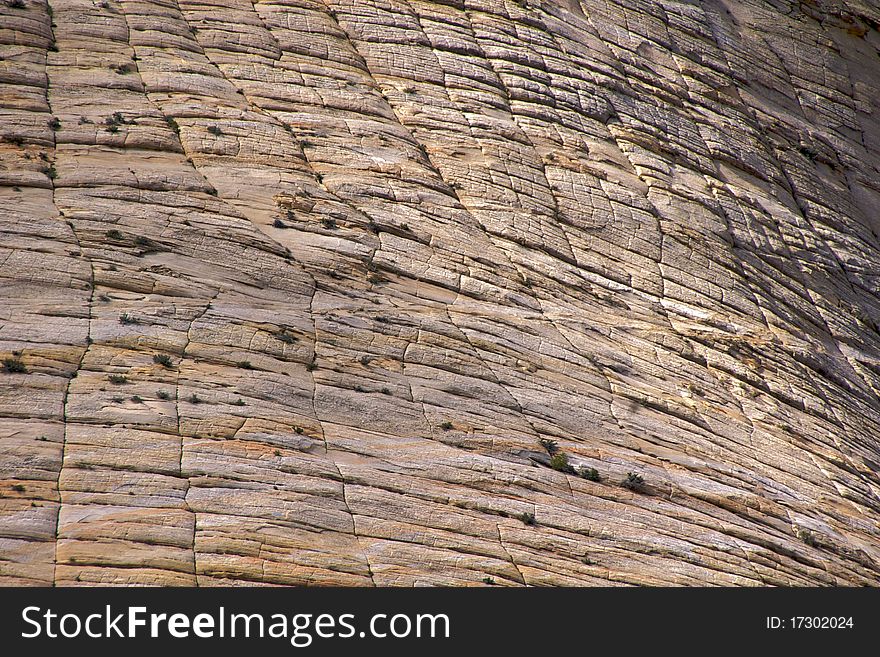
439, 293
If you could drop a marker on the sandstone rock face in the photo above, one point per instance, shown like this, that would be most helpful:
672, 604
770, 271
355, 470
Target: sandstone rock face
310, 291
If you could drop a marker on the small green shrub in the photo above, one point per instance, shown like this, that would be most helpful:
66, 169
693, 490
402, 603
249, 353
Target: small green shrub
164, 360
311, 367
14, 366
195, 399
550, 445
239, 402
125, 318
279, 224
114, 235
118, 379
245, 365
808, 537
286, 337
634, 481
559, 461
528, 518
591, 474
215, 130
298, 430
328, 223
163, 394
115, 120
18, 488
137, 399
124, 69
55, 123
446, 426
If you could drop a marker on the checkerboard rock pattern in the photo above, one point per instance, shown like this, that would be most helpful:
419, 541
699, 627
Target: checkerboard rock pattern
465, 292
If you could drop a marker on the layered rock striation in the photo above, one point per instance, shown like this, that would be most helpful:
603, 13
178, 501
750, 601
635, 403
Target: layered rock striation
439, 293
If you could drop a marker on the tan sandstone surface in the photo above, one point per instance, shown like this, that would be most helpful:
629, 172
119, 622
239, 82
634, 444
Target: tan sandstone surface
307, 292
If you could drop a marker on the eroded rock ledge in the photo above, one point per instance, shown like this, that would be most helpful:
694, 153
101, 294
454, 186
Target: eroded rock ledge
306, 292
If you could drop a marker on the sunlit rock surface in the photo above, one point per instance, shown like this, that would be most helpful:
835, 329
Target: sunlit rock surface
293, 291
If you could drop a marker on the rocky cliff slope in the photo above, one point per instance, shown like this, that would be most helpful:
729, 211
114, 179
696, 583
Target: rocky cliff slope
398, 292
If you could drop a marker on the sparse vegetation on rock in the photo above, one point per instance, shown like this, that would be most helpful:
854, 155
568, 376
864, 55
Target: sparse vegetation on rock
14, 366
550, 445
591, 474
164, 360
559, 461
112, 122
634, 482
644, 234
